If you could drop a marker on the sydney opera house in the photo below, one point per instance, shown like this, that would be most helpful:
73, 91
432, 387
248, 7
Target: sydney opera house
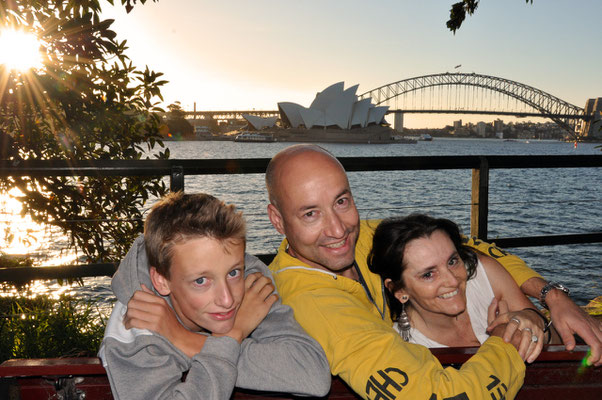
335, 107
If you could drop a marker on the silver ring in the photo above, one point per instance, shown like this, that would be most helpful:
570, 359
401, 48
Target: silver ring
514, 319
534, 338
528, 329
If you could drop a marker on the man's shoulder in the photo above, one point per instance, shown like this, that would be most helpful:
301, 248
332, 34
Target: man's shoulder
364, 242
368, 226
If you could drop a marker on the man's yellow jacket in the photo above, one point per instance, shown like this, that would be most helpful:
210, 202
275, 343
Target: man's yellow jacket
355, 330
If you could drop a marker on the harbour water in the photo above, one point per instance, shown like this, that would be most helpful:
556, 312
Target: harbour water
522, 202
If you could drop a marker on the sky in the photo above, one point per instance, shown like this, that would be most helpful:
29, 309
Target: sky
244, 55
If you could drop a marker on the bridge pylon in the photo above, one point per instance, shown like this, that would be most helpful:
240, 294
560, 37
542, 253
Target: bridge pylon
398, 122
592, 126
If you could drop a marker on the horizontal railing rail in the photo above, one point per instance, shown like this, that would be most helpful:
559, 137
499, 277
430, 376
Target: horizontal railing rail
177, 169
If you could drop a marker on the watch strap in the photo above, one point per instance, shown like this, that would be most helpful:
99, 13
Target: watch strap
546, 289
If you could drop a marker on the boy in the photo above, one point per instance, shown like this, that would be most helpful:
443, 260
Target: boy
232, 330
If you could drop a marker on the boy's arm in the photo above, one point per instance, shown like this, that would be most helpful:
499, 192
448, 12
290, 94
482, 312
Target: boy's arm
279, 355
142, 365
147, 310
568, 318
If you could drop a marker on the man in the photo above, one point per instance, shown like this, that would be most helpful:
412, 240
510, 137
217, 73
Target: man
320, 271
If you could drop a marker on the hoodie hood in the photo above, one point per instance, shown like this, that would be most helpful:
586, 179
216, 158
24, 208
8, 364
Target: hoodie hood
133, 271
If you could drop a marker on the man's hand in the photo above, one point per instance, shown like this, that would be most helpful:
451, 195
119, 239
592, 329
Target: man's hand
570, 319
146, 310
259, 297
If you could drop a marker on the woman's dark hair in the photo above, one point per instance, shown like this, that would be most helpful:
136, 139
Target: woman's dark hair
390, 240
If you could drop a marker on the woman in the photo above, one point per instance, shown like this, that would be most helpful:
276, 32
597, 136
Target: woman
442, 293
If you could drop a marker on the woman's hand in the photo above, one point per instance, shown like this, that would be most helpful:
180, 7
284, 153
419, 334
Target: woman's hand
529, 325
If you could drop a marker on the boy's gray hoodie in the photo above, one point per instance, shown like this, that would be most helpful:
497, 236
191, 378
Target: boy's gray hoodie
278, 356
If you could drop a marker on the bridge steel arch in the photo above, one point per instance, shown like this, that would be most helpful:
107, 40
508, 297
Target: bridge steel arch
560, 111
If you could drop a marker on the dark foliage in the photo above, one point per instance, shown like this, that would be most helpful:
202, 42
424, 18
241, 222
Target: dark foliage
458, 12
178, 126
43, 327
87, 102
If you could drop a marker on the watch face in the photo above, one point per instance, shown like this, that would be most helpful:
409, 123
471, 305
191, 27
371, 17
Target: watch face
559, 286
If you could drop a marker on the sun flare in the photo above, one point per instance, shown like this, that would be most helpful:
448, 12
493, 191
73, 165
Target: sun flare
19, 50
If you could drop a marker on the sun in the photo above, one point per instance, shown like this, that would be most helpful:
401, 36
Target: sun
19, 50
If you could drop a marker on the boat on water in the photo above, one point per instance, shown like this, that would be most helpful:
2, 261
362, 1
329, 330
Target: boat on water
425, 137
556, 374
401, 139
253, 137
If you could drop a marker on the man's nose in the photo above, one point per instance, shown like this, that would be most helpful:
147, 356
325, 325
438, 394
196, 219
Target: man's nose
334, 226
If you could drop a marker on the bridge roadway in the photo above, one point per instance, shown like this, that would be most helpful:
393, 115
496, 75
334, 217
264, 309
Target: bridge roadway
511, 113
237, 115
230, 114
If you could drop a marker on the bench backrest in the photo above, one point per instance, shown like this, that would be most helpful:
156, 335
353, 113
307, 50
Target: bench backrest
557, 374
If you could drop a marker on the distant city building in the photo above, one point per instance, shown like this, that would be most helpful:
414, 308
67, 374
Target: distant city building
498, 125
457, 124
201, 130
335, 106
481, 129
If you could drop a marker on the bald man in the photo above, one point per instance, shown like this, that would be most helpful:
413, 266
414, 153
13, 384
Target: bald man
321, 272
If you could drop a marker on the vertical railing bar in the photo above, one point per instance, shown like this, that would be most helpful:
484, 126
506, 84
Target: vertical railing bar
480, 200
176, 183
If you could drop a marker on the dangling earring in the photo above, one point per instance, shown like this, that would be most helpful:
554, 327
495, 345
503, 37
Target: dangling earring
404, 322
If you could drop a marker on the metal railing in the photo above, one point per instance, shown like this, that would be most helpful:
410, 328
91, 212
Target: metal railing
178, 169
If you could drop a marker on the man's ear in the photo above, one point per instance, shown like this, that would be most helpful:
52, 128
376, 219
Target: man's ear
160, 283
276, 218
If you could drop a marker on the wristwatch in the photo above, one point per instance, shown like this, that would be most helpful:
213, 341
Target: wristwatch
546, 289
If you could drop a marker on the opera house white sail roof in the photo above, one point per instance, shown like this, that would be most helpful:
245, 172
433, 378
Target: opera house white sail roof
334, 106
260, 123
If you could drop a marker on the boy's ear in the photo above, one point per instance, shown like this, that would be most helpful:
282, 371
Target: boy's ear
160, 283
276, 218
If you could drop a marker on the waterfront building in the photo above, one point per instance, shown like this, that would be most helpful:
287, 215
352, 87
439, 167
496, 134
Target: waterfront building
481, 128
336, 107
259, 123
202, 130
498, 126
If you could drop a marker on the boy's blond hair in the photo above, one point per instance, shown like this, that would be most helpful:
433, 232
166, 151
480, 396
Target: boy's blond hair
178, 217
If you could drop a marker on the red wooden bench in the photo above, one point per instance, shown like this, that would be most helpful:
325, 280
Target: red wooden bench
557, 374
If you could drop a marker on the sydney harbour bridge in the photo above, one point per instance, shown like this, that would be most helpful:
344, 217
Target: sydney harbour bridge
467, 93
